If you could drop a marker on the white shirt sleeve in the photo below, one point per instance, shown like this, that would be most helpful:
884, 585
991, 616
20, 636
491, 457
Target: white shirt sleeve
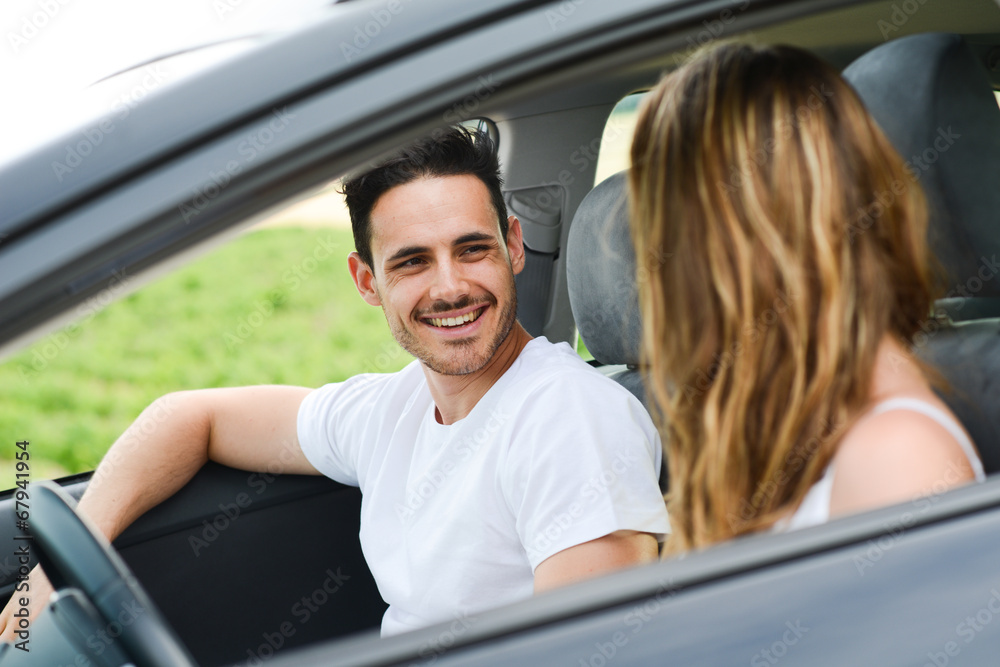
332, 423
589, 472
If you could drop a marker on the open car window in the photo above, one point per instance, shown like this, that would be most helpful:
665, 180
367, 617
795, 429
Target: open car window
275, 305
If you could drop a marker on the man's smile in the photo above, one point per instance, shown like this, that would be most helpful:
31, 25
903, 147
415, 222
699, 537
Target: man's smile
457, 319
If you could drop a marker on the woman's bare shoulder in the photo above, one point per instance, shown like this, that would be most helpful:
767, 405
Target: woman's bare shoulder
895, 456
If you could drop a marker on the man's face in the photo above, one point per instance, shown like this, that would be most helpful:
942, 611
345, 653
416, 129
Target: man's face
442, 272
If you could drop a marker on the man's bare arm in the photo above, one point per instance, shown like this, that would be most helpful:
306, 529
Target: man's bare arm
623, 548
252, 428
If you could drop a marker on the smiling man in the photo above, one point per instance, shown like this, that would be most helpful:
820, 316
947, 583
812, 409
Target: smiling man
493, 466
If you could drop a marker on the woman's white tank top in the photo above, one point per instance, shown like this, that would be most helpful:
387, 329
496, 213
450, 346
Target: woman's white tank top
815, 507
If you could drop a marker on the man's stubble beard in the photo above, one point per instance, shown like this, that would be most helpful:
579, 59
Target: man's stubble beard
411, 343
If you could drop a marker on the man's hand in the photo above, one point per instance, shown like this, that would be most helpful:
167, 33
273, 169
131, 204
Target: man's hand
39, 591
620, 549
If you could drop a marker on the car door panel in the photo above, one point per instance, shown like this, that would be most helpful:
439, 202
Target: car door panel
243, 564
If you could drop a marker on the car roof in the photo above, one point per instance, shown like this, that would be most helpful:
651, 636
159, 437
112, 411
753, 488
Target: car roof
279, 71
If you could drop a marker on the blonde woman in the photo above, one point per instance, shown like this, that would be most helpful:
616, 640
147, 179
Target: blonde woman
777, 334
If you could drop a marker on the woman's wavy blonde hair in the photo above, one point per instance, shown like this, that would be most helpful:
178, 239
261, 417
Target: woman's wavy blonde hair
779, 238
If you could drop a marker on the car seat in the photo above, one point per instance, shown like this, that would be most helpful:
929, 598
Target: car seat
933, 98
600, 274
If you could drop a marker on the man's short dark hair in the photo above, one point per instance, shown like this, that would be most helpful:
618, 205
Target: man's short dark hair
456, 151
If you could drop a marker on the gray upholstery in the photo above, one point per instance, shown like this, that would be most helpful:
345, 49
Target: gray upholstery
968, 355
600, 271
932, 97
921, 89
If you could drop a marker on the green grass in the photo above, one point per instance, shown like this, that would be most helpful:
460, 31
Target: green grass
274, 306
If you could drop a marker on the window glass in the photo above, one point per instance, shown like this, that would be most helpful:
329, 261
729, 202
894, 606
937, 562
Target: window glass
276, 305
617, 139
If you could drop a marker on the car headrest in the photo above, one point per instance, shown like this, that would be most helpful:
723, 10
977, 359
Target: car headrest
600, 270
933, 99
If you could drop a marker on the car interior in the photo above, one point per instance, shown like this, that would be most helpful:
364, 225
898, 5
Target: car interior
929, 77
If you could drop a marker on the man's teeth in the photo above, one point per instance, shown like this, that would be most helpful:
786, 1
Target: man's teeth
456, 321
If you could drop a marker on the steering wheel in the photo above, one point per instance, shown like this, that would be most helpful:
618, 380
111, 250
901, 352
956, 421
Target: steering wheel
73, 553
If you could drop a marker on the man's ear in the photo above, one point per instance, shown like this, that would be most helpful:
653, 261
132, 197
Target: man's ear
364, 279
515, 244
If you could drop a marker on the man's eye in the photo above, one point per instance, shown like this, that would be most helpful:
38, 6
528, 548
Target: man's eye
413, 261
471, 250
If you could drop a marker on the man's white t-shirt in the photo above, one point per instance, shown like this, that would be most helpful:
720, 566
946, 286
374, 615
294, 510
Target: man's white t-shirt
454, 519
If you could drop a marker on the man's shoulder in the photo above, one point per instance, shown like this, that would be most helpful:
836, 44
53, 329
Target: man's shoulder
556, 367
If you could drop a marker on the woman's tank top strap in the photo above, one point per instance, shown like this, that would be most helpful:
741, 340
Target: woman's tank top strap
941, 417
815, 507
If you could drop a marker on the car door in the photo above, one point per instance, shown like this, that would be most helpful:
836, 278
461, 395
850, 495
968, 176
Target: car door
237, 561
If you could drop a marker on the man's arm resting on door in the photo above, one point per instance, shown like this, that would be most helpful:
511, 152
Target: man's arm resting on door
251, 428
620, 549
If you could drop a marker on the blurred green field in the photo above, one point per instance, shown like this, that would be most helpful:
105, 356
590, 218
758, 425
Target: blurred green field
274, 306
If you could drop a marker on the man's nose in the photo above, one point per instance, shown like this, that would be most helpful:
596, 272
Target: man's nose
450, 283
